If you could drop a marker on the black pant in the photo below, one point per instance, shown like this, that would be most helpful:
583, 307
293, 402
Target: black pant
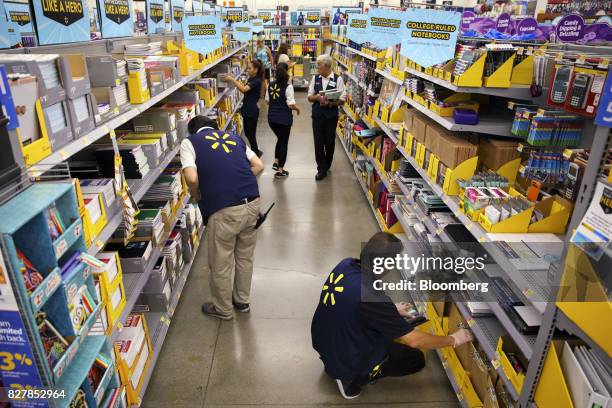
324, 131
282, 133
250, 130
401, 360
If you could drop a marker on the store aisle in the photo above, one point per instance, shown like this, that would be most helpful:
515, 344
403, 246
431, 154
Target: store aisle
265, 358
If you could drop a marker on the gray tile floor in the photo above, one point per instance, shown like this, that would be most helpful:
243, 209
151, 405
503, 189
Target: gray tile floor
265, 358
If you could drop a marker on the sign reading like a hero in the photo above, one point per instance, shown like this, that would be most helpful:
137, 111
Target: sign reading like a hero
61, 21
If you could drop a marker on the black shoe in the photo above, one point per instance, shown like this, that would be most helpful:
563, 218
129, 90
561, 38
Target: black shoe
211, 310
275, 167
242, 307
320, 175
281, 174
259, 153
349, 389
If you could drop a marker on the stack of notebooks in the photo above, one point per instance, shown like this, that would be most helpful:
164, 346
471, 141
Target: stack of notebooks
133, 347
104, 186
134, 256
153, 48
92, 206
57, 117
173, 252
164, 208
429, 202
150, 224
121, 67
136, 65
135, 164
525, 318
121, 94
167, 187
587, 375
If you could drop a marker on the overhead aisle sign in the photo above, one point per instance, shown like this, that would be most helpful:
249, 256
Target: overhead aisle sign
155, 16
233, 15
177, 14
61, 21
116, 16
385, 27
202, 33
341, 14
19, 13
242, 31
257, 26
267, 16
430, 35
309, 17
357, 29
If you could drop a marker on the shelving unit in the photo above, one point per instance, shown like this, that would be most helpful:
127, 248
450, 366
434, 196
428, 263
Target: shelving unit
231, 116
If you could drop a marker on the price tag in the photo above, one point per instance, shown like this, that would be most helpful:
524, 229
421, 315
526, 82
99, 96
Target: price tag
439, 230
528, 292
119, 326
86, 141
460, 396
519, 148
471, 322
495, 363
63, 154
482, 238
470, 226
165, 320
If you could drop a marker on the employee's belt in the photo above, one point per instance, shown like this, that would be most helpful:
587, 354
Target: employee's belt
243, 201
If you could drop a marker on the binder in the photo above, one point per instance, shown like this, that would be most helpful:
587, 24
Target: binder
582, 392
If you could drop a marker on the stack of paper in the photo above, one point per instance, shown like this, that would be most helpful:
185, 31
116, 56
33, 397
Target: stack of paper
57, 117
103, 186
135, 163
153, 48
121, 67
121, 95
133, 347
110, 259
150, 224
92, 206
167, 187
136, 65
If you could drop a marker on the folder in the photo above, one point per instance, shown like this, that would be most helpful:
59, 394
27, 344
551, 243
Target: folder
582, 392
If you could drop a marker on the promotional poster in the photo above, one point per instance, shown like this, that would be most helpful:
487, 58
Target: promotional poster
155, 16
19, 13
340, 15
385, 26
242, 31
430, 35
116, 17
177, 12
202, 33
357, 29
233, 15
61, 21
308, 17
266, 15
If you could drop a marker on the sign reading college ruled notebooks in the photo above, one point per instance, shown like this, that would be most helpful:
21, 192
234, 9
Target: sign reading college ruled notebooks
202, 33
116, 16
61, 21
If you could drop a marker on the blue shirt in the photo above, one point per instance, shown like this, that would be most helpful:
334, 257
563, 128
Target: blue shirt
251, 97
262, 55
224, 172
353, 336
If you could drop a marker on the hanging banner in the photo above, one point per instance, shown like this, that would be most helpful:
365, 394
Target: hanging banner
309, 17
266, 15
197, 6
242, 31
167, 18
357, 28
17, 364
177, 14
233, 15
504, 23
385, 27
4, 33
61, 21
604, 111
116, 17
19, 13
257, 26
155, 16
430, 35
341, 14
245, 16
202, 33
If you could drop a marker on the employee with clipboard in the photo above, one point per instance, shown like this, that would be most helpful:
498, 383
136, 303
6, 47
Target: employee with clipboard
326, 93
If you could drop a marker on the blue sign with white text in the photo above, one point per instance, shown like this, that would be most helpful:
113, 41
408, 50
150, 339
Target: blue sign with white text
155, 17
242, 31
604, 112
116, 18
430, 35
385, 27
62, 21
202, 33
357, 28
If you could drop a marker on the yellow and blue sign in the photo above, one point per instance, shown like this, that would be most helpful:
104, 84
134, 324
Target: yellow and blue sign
266, 15
243, 32
116, 16
155, 17
202, 33
257, 26
177, 14
61, 21
385, 27
309, 17
357, 28
5, 42
19, 13
430, 35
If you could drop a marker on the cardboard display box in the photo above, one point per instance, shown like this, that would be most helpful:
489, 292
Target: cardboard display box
103, 71
419, 126
494, 153
450, 149
81, 115
75, 75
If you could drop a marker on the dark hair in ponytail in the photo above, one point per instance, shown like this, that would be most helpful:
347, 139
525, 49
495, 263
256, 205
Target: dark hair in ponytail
282, 73
282, 49
260, 69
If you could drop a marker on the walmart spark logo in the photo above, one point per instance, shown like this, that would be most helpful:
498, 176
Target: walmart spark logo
331, 288
221, 141
274, 91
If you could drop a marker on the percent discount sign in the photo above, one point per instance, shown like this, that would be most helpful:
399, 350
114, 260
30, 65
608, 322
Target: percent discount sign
202, 33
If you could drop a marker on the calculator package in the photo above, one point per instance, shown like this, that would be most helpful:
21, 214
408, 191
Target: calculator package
576, 88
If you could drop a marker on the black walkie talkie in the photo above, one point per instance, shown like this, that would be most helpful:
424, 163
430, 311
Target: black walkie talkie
262, 216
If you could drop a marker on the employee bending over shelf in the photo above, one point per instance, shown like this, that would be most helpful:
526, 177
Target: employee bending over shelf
326, 92
220, 171
360, 334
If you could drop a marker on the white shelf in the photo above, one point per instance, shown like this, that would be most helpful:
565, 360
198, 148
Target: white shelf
489, 124
79, 144
390, 77
516, 92
363, 54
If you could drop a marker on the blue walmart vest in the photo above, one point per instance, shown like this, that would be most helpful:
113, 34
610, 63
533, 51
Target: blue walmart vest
319, 111
347, 347
224, 172
278, 111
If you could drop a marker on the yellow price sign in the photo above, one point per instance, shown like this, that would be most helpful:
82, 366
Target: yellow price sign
9, 361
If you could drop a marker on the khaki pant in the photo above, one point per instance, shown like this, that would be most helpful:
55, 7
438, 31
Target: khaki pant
231, 238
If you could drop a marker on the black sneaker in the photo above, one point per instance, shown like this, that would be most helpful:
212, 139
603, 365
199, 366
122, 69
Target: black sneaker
320, 175
281, 174
349, 389
242, 307
275, 167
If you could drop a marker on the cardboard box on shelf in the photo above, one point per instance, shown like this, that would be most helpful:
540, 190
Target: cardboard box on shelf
494, 153
407, 116
456, 322
419, 127
453, 150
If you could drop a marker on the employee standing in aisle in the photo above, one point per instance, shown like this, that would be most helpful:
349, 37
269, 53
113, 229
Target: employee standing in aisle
360, 334
252, 93
281, 98
325, 113
220, 171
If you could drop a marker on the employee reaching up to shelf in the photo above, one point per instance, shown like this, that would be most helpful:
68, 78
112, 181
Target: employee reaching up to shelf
252, 92
326, 93
281, 98
221, 171
360, 334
